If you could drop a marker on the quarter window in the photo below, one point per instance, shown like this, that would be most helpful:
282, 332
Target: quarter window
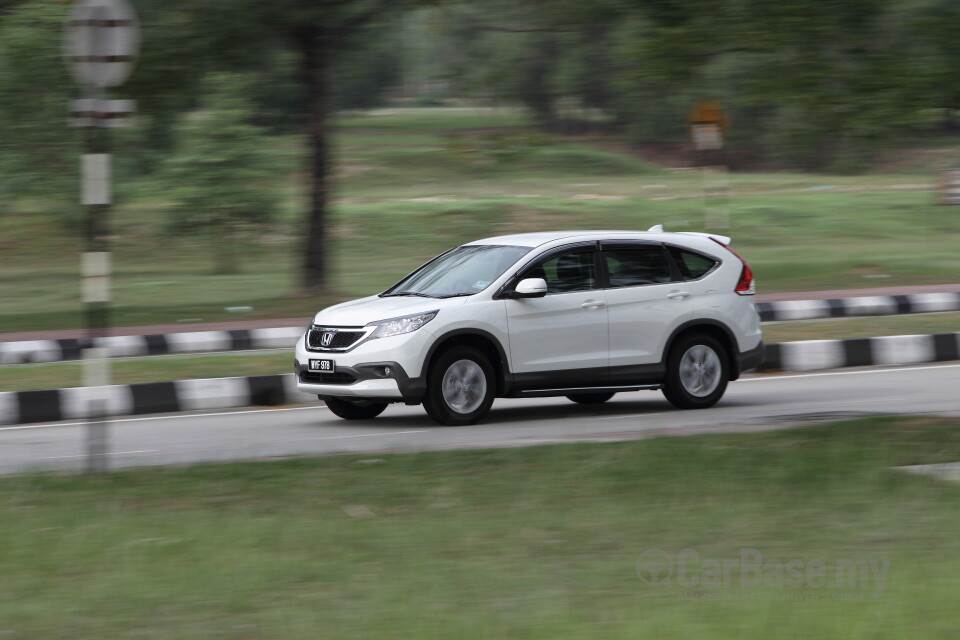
636, 264
692, 265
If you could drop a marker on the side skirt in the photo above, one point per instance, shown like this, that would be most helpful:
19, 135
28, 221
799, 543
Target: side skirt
573, 391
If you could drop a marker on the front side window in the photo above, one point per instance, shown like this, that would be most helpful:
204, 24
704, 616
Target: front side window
631, 265
463, 271
572, 270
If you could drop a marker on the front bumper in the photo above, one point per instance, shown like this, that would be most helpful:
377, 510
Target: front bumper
382, 380
386, 389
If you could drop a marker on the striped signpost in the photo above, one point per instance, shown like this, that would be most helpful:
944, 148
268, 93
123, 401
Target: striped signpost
101, 40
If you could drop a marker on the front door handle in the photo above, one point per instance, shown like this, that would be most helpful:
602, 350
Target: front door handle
678, 295
593, 304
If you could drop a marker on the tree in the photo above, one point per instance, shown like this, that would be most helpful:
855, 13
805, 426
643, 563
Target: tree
38, 150
182, 41
236, 32
217, 173
820, 84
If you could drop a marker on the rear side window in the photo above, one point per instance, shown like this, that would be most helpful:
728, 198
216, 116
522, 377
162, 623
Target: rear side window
631, 265
692, 265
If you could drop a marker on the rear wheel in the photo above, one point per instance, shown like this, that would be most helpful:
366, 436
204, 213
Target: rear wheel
697, 372
460, 387
349, 410
591, 398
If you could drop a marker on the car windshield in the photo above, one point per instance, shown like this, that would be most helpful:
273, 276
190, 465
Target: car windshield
463, 271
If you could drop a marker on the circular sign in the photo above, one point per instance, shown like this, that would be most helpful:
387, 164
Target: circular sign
101, 41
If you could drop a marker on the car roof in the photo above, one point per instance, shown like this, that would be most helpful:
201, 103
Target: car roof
543, 237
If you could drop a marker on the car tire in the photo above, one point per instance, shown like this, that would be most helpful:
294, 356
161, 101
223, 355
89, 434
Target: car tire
697, 372
460, 387
355, 411
591, 398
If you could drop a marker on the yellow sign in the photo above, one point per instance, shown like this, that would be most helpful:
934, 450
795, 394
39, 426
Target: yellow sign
709, 112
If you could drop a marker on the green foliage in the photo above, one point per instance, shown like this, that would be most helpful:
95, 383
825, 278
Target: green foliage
39, 152
816, 87
220, 173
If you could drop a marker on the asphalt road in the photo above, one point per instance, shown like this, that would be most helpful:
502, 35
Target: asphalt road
753, 403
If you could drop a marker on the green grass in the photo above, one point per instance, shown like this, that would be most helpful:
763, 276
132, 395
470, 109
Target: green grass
433, 119
413, 182
536, 542
862, 327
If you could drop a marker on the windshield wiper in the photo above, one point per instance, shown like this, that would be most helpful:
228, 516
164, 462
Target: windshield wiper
457, 295
406, 293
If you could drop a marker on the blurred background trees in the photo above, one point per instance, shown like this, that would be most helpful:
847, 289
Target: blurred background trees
218, 174
810, 86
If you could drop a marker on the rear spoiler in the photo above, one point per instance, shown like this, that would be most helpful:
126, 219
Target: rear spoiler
724, 240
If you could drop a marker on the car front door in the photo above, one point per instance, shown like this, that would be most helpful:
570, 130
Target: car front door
560, 340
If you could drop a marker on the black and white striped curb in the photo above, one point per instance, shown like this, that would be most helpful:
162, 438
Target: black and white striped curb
34, 351
808, 355
27, 351
861, 306
51, 405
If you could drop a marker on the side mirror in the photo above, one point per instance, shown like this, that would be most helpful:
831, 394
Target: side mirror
530, 288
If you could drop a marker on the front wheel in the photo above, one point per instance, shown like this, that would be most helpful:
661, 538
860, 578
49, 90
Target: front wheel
697, 372
355, 410
460, 387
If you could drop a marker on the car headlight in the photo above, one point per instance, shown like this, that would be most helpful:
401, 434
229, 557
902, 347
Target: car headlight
398, 326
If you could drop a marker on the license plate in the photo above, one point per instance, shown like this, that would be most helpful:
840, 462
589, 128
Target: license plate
321, 366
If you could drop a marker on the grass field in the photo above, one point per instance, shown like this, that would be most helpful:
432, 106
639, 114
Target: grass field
862, 327
542, 542
411, 183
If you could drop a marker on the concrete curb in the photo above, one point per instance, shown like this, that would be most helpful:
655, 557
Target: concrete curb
35, 351
809, 355
860, 306
32, 351
51, 405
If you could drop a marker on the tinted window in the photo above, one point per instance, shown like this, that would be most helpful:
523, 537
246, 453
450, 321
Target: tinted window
692, 265
636, 264
569, 271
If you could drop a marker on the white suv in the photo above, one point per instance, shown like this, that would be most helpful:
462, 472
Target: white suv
581, 314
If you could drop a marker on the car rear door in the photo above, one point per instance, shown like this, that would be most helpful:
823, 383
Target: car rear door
644, 304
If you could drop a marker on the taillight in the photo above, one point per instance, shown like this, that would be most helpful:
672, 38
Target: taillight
745, 285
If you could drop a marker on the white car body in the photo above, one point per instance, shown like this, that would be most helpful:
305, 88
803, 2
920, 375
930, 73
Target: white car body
603, 339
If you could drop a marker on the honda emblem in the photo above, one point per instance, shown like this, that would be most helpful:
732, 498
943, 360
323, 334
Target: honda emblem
326, 338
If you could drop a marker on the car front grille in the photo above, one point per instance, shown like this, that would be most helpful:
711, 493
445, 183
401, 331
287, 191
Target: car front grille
340, 339
327, 378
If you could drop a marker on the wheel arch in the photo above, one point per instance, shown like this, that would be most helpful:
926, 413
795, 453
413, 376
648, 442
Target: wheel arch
483, 341
714, 329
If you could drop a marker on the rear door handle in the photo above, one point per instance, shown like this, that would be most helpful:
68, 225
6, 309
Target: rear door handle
593, 304
678, 295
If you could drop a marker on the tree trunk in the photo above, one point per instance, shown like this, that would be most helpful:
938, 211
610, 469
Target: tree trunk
317, 48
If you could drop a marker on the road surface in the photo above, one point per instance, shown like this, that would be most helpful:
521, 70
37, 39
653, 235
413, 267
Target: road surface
753, 403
